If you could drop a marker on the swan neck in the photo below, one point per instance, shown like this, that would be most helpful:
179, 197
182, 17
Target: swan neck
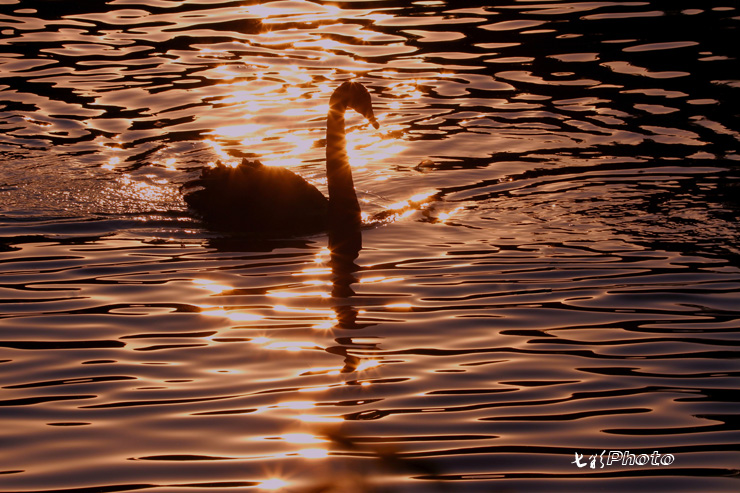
335, 131
342, 197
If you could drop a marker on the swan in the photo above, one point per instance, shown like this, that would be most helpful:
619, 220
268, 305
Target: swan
273, 199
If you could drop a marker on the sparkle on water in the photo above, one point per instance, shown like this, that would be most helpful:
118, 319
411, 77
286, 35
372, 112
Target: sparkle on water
549, 266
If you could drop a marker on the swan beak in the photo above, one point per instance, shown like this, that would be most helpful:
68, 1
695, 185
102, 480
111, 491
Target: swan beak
374, 122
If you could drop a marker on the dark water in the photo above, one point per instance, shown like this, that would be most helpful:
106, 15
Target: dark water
558, 277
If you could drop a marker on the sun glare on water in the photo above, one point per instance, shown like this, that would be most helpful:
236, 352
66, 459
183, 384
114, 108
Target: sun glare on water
278, 113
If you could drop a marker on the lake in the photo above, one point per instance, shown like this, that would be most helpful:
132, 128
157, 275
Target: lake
551, 301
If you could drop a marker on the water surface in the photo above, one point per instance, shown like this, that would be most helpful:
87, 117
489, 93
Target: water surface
558, 272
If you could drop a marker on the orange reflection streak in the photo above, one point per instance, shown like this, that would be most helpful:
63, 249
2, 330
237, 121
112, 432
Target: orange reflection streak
299, 112
328, 325
237, 131
315, 389
225, 158
321, 44
301, 140
416, 198
297, 73
313, 453
143, 191
422, 196
401, 215
233, 316
310, 418
388, 74
302, 438
273, 484
445, 216
322, 255
365, 340
112, 163
293, 345
269, 38
170, 164
297, 405
313, 271
363, 149
406, 90
316, 282
317, 311
326, 370
379, 280
211, 286
239, 95
280, 14
399, 306
367, 364
302, 294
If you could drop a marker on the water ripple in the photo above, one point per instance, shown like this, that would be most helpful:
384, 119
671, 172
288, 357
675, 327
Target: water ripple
556, 271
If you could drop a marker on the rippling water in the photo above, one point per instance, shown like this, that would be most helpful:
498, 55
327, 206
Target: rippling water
558, 275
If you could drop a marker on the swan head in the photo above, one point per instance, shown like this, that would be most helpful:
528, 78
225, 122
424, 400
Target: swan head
354, 95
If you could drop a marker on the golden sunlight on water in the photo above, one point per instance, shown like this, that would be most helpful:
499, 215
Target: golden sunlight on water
234, 316
278, 147
547, 275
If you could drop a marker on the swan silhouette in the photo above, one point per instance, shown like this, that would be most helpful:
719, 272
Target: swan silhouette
262, 198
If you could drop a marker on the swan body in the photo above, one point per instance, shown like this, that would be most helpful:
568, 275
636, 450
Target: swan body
273, 199
257, 197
